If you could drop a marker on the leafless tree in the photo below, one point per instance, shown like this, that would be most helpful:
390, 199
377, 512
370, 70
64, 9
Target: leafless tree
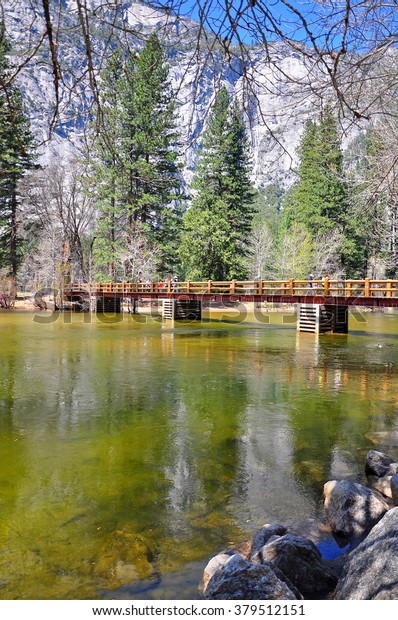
261, 251
40, 268
7, 293
137, 256
375, 192
326, 253
61, 211
294, 253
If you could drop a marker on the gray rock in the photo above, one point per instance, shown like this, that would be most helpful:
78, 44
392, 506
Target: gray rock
257, 558
301, 562
383, 484
239, 579
392, 469
352, 509
394, 489
214, 565
377, 463
264, 534
371, 570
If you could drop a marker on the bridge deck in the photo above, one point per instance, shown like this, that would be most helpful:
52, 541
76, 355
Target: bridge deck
367, 292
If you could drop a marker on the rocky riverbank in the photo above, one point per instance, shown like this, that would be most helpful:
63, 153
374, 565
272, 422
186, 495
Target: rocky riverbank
277, 565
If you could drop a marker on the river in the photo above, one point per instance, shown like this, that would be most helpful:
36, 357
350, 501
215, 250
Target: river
132, 452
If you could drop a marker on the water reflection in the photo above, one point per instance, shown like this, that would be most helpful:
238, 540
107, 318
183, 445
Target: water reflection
132, 452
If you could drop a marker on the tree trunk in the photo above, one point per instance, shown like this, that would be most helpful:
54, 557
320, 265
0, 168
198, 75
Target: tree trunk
13, 242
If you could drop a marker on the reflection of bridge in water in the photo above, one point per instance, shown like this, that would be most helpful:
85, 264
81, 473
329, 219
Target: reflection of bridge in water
322, 304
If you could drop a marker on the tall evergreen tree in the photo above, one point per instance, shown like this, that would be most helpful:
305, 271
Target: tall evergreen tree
108, 174
137, 156
217, 225
319, 199
15, 158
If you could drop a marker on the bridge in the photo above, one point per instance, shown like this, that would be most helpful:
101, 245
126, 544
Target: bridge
322, 304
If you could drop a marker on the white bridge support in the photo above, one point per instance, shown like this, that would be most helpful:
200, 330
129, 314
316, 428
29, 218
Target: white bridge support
322, 318
188, 309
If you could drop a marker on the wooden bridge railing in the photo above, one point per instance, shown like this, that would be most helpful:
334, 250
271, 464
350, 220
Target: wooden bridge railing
325, 287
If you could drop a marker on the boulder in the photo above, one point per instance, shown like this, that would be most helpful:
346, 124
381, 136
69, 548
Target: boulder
239, 579
124, 558
392, 469
352, 509
257, 558
377, 463
264, 534
300, 561
394, 489
371, 570
214, 565
383, 484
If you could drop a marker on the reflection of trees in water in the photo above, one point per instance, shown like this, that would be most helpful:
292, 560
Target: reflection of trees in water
206, 462
313, 408
12, 443
14, 469
348, 387
168, 466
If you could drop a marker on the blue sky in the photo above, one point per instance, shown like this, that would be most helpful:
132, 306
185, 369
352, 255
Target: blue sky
321, 23
263, 18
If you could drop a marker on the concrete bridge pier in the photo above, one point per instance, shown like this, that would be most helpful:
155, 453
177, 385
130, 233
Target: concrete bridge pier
322, 318
175, 309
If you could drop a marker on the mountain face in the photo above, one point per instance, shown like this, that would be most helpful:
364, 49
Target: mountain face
276, 108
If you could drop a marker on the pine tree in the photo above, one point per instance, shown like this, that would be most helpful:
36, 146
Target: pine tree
217, 225
319, 198
137, 155
108, 166
15, 159
156, 172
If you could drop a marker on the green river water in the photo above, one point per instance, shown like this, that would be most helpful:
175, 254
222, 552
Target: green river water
131, 452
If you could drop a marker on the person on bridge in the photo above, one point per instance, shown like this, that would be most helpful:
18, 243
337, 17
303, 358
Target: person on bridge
309, 280
325, 281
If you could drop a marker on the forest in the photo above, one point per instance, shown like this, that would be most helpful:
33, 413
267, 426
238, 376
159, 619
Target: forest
120, 209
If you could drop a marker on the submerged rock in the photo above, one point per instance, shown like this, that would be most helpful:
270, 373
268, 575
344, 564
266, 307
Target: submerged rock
239, 579
124, 558
388, 438
377, 463
371, 570
352, 509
